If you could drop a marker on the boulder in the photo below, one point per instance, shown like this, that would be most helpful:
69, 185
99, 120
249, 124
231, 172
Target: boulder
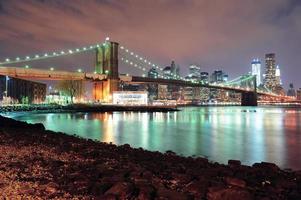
218, 193
235, 182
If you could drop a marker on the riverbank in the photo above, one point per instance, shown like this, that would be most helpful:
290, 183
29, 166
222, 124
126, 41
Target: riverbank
36, 163
53, 108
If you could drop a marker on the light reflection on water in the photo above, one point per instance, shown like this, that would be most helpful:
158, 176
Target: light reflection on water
220, 133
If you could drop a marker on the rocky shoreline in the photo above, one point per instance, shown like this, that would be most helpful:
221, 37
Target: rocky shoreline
84, 108
40, 164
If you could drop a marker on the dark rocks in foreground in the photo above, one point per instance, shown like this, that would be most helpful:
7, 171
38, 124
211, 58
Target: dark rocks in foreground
35, 163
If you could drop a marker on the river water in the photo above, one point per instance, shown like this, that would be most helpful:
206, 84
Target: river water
248, 134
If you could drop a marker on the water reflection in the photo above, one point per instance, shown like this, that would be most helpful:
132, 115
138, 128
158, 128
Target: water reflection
221, 133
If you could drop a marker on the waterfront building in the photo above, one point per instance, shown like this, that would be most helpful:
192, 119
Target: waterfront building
22, 91
130, 97
58, 98
163, 93
256, 70
270, 81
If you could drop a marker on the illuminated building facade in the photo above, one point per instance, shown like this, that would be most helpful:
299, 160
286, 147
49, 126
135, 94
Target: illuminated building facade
130, 97
270, 81
172, 72
195, 71
22, 91
204, 92
278, 76
204, 77
218, 76
256, 70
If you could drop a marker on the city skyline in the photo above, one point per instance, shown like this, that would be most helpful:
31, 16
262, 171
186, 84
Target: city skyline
201, 35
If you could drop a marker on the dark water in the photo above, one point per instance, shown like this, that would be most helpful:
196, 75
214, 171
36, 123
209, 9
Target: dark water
220, 133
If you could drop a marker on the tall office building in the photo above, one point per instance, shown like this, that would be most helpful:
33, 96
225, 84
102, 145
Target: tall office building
270, 74
195, 71
205, 77
174, 70
278, 76
256, 70
204, 92
167, 72
153, 73
218, 76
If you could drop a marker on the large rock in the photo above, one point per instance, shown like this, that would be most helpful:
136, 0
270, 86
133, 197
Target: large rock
123, 190
235, 182
218, 193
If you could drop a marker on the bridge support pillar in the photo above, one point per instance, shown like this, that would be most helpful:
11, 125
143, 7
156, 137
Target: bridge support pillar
103, 91
106, 63
249, 99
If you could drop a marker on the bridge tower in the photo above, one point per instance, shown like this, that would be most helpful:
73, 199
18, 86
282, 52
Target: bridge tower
106, 63
250, 98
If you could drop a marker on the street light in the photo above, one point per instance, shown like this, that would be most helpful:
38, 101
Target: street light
79, 70
51, 69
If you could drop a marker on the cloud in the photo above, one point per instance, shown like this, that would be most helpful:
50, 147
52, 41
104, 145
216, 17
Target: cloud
226, 33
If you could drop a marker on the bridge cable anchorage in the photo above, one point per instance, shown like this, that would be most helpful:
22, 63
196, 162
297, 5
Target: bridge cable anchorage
50, 55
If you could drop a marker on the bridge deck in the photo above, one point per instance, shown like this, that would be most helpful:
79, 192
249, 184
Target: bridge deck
42, 74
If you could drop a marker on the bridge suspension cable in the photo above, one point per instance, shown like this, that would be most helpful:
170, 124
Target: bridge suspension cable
141, 62
21, 59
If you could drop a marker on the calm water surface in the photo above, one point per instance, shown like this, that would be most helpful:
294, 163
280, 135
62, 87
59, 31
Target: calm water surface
220, 133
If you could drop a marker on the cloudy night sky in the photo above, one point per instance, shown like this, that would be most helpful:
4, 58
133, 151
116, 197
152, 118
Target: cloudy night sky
217, 34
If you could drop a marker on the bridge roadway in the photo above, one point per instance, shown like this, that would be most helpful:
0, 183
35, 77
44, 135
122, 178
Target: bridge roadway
43, 74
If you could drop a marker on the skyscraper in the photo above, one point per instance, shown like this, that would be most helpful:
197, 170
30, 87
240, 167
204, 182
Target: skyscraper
291, 91
205, 77
278, 76
218, 76
195, 71
270, 73
152, 73
256, 70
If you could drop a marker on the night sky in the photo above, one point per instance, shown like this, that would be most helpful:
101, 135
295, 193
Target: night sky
217, 34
